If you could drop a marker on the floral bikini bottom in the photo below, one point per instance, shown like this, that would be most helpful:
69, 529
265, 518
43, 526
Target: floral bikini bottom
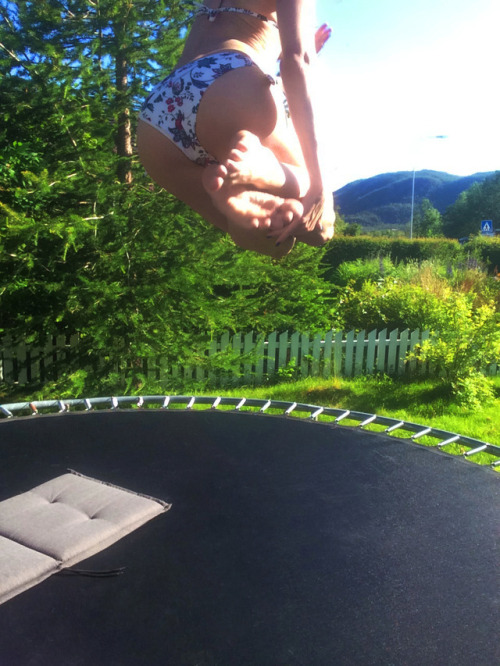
173, 105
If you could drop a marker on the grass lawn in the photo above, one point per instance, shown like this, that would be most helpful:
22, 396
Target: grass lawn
425, 402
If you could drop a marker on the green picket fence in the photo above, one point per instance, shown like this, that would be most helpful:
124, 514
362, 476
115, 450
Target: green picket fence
248, 357
25, 364
323, 355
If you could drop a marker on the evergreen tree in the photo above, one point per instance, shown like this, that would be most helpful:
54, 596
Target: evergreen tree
71, 79
84, 67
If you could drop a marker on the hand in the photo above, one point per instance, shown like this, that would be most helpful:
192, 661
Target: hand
323, 34
313, 207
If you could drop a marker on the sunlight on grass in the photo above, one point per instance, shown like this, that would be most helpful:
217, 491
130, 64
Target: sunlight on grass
426, 402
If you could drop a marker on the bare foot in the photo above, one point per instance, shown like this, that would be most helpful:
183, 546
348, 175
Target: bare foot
322, 232
246, 207
250, 163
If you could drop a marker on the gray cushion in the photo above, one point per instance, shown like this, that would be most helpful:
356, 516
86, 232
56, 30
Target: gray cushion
61, 522
21, 567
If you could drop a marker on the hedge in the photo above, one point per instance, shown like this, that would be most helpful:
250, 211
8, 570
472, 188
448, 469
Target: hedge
349, 248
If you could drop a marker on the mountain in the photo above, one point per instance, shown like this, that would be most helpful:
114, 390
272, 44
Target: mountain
385, 200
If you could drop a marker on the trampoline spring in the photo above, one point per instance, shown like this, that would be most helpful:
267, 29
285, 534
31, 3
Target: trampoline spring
342, 416
290, 409
166, 402
216, 403
88, 405
496, 463
140, 402
367, 421
240, 404
315, 414
191, 403
423, 432
63, 407
479, 449
394, 427
114, 403
8, 414
265, 406
450, 440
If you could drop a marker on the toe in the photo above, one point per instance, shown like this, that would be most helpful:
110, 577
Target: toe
213, 177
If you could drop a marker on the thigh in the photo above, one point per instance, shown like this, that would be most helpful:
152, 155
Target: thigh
242, 99
173, 171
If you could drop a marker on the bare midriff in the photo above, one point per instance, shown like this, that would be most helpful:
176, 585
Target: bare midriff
249, 35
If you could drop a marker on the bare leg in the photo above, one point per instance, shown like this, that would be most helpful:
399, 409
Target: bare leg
239, 99
246, 206
172, 170
249, 162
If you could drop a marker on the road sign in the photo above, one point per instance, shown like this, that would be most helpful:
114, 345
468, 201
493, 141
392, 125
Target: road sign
487, 227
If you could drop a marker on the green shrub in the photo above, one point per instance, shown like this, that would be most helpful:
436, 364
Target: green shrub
390, 304
487, 250
461, 351
359, 271
399, 250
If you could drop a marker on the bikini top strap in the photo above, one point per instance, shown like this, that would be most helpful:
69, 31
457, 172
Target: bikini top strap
211, 14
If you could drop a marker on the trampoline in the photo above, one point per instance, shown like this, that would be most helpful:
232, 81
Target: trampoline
286, 541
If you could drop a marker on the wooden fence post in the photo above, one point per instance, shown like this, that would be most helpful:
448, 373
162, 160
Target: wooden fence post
381, 349
237, 348
360, 354
403, 350
272, 346
248, 346
259, 363
212, 350
327, 355
392, 353
294, 348
225, 343
22, 356
370, 352
304, 360
414, 341
283, 350
349, 354
424, 367
316, 354
8, 360
338, 353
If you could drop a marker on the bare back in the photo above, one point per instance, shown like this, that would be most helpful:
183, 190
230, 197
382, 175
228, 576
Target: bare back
249, 35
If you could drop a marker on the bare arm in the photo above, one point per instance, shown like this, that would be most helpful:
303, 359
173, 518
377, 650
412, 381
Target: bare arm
297, 53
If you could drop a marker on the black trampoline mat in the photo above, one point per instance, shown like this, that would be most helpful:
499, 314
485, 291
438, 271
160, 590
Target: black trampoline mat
288, 542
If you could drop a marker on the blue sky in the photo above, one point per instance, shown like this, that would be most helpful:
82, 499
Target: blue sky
395, 74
